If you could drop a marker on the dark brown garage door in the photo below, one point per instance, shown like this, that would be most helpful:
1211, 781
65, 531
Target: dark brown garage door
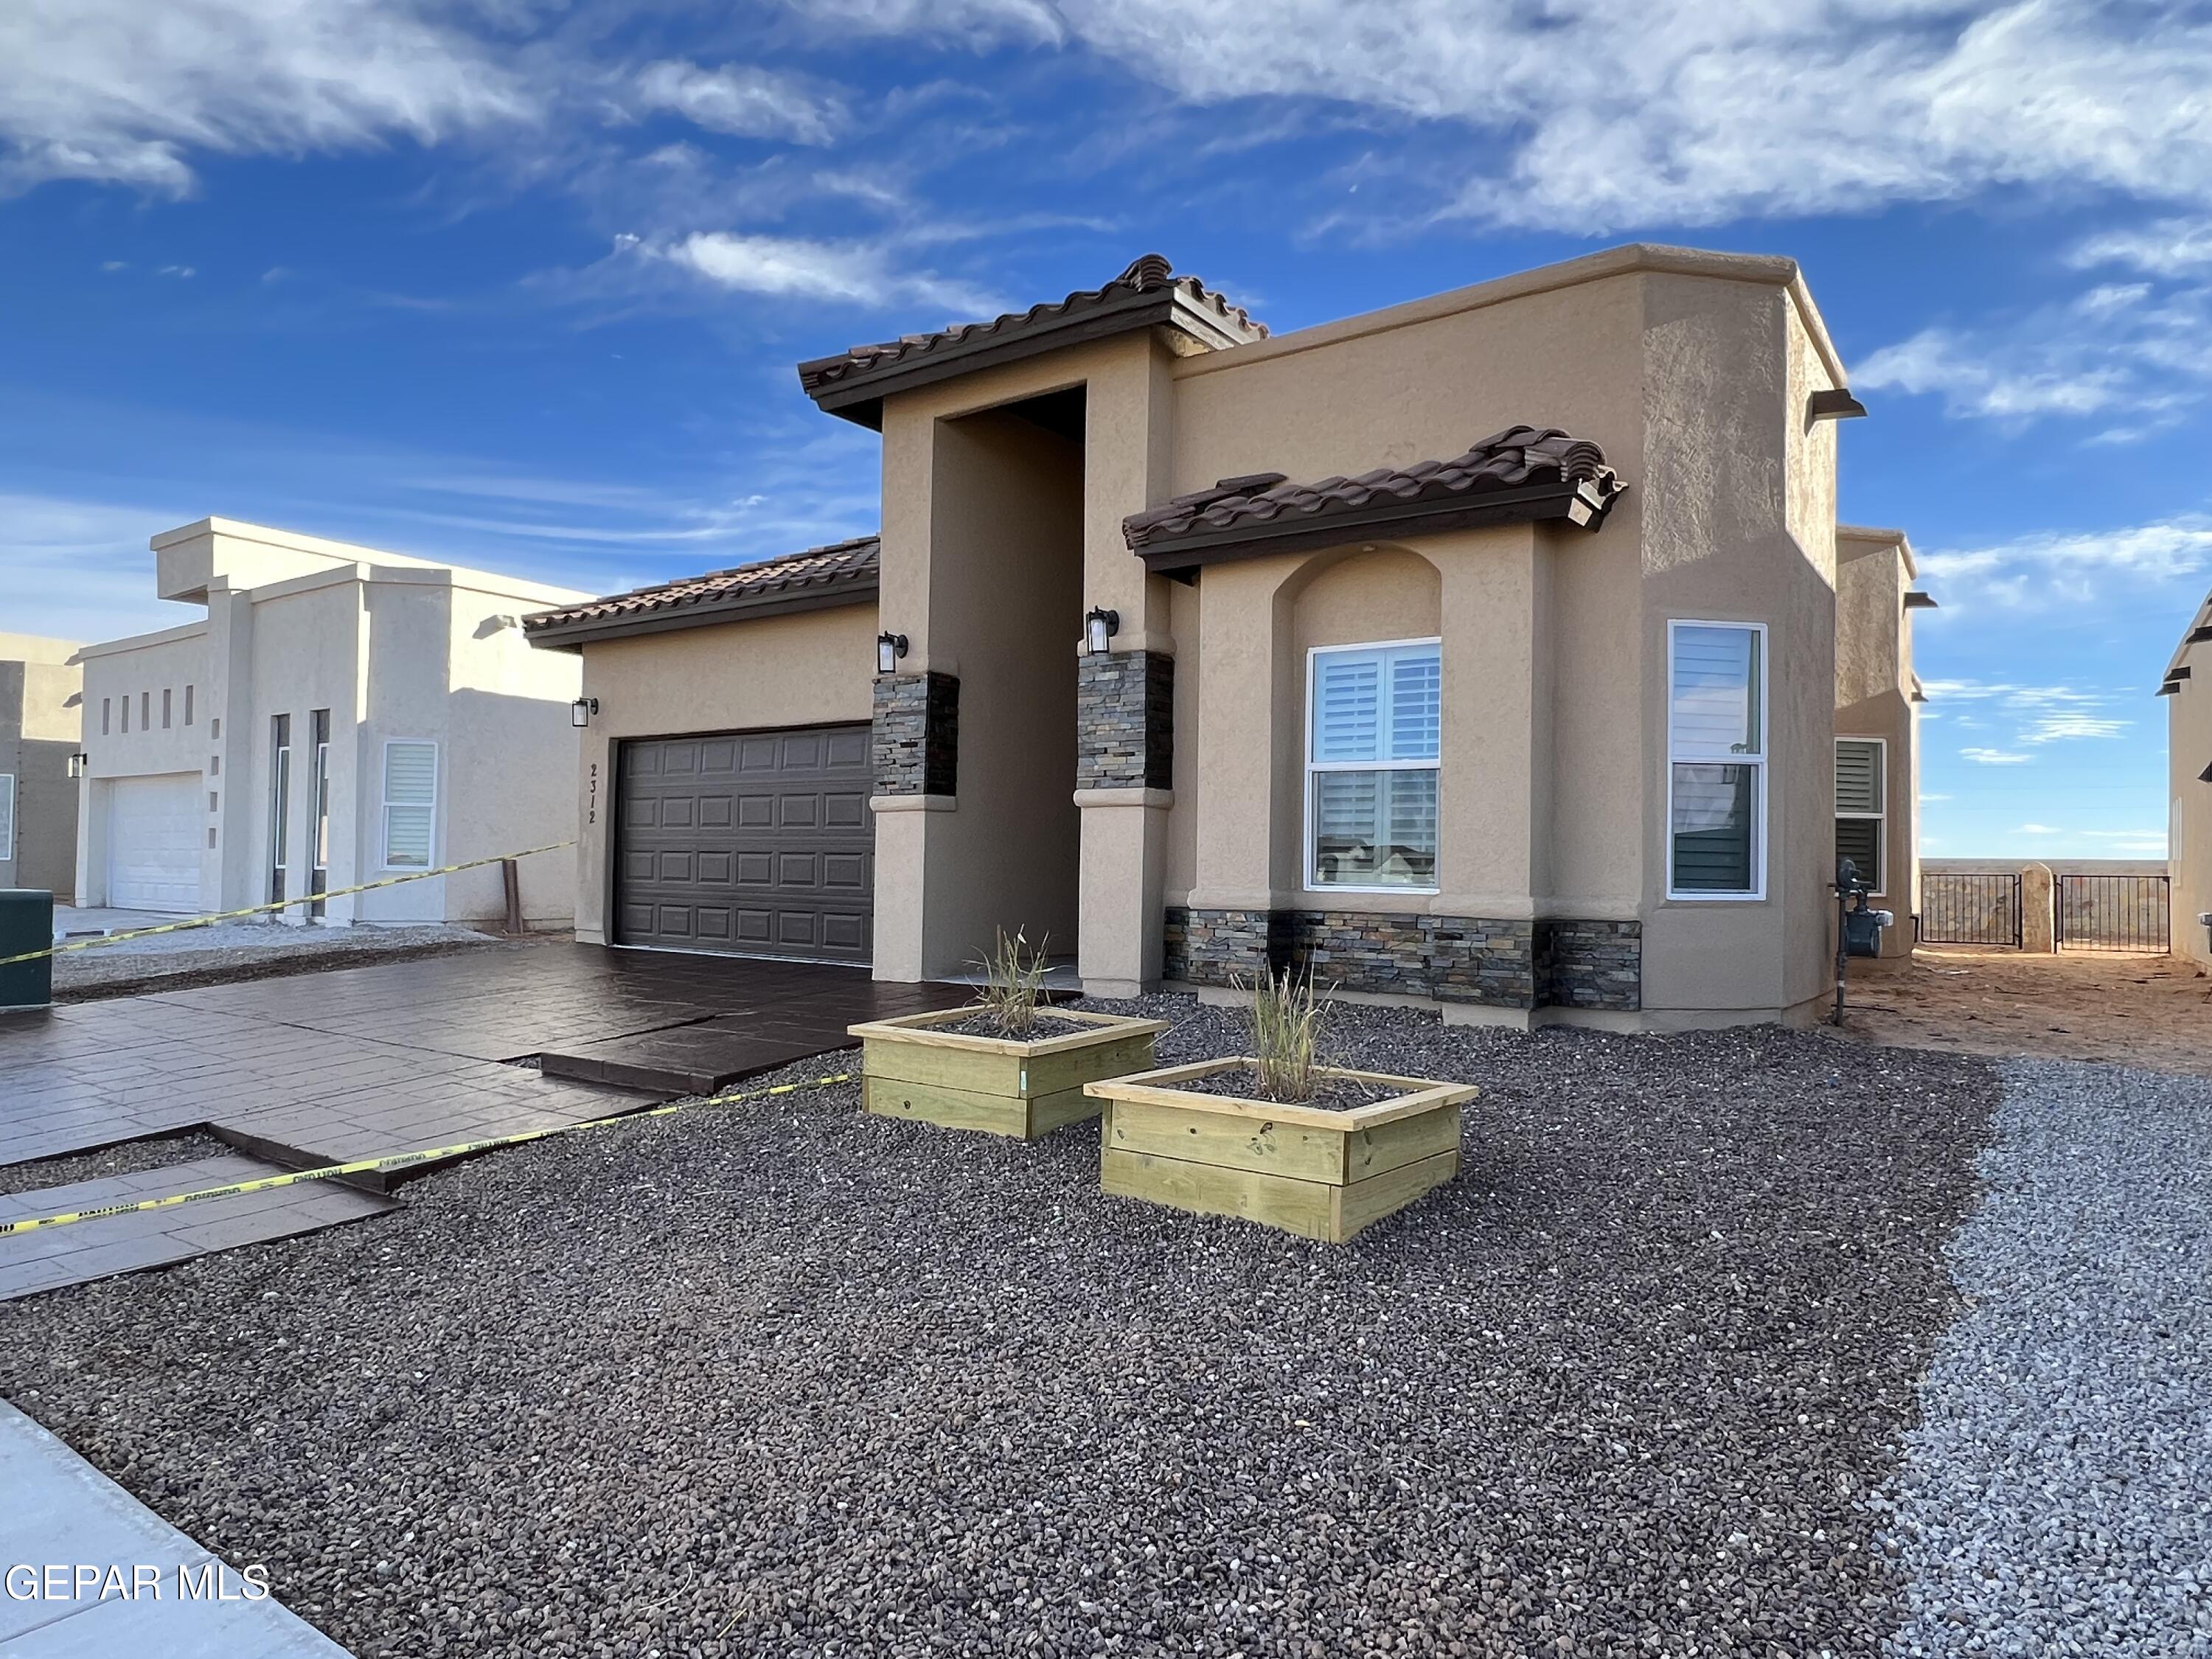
759, 843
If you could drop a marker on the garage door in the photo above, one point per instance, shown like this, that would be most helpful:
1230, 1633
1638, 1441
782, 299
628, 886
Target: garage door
758, 844
155, 829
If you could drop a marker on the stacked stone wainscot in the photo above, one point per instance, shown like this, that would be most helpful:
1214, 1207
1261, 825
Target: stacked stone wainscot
914, 739
1491, 961
1125, 721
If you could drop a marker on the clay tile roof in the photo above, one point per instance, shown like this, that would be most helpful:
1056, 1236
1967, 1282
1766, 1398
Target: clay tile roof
1147, 293
841, 572
1541, 469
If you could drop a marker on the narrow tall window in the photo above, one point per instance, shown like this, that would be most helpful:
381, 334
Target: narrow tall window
319, 809
7, 815
280, 804
411, 800
166, 708
1860, 806
1374, 720
1716, 760
126, 713
107, 713
145, 711
188, 705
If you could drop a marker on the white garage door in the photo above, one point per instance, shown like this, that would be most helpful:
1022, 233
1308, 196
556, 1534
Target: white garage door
154, 828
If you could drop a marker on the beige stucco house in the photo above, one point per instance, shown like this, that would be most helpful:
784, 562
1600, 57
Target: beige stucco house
40, 688
1481, 651
1878, 698
2189, 790
339, 715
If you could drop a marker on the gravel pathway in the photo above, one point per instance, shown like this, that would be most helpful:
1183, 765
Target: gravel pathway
2058, 1494
784, 1379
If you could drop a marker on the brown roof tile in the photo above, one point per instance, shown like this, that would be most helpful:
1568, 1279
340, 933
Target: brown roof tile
821, 574
1148, 291
1520, 461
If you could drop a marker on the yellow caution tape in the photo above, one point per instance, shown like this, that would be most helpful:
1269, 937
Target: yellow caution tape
404, 1160
277, 904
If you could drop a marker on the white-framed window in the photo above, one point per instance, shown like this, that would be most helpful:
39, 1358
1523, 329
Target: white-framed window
1374, 726
1716, 760
410, 803
1862, 806
6, 815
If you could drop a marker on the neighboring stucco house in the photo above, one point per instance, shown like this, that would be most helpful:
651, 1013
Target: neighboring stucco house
1877, 711
2189, 791
1481, 651
340, 715
38, 688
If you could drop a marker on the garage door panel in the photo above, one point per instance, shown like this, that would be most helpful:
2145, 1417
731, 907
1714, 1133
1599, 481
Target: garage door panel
154, 832
795, 836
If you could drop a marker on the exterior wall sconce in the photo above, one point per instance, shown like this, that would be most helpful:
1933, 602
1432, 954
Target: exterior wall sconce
79, 764
1834, 406
1100, 626
581, 710
890, 648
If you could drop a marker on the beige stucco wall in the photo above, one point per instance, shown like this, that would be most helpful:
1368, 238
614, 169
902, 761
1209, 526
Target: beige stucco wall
1874, 699
809, 668
2189, 817
39, 713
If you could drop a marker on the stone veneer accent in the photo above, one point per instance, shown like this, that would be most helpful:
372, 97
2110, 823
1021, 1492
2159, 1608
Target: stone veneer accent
1591, 964
915, 743
1125, 721
1496, 963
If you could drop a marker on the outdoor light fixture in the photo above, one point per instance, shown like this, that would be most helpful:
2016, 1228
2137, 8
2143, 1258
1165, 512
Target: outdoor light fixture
1100, 626
581, 710
1834, 406
79, 764
890, 648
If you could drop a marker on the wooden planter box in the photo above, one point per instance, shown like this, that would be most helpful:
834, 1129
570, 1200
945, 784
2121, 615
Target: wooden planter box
1319, 1174
996, 1083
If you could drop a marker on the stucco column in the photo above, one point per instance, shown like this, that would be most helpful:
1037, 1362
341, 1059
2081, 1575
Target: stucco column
1125, 714
227, 869
2038, 916
1494, 795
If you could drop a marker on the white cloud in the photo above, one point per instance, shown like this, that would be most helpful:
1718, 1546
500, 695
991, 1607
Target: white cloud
743, 99
858, 273
1600, 115
2056, 728
119, 91
2165, 247
80, 570
1992, 757
1972, 380
2070, 567
2037, 830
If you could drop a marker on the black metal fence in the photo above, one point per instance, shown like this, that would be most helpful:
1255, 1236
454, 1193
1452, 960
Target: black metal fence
2114, 913
1961, 908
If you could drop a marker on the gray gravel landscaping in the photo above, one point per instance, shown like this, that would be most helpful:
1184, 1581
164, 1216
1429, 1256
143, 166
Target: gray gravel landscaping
124, 1158
2059, 1495
785, 1379
225, 951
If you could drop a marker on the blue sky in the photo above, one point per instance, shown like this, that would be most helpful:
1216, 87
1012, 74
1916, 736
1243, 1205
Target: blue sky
521, 284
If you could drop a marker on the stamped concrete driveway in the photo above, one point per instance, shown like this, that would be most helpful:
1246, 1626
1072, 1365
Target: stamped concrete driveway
373, 1061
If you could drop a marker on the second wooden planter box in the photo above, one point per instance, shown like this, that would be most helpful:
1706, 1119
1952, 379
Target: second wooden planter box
997, 1084
1306, 1169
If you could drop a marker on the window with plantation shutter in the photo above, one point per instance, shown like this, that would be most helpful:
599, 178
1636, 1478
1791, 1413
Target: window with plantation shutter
410, 803
1716, 760
1862, 773
1375, 724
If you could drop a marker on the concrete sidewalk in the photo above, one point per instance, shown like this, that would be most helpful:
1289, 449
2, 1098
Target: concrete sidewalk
62, 1513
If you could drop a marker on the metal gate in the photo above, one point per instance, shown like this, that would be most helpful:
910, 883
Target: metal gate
1961, 908
2114, 913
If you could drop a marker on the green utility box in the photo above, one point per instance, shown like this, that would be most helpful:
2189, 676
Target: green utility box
26, 923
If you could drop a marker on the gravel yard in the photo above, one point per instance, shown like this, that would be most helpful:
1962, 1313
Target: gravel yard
229, 951
2059, 1495
124, 1157
783, 1379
